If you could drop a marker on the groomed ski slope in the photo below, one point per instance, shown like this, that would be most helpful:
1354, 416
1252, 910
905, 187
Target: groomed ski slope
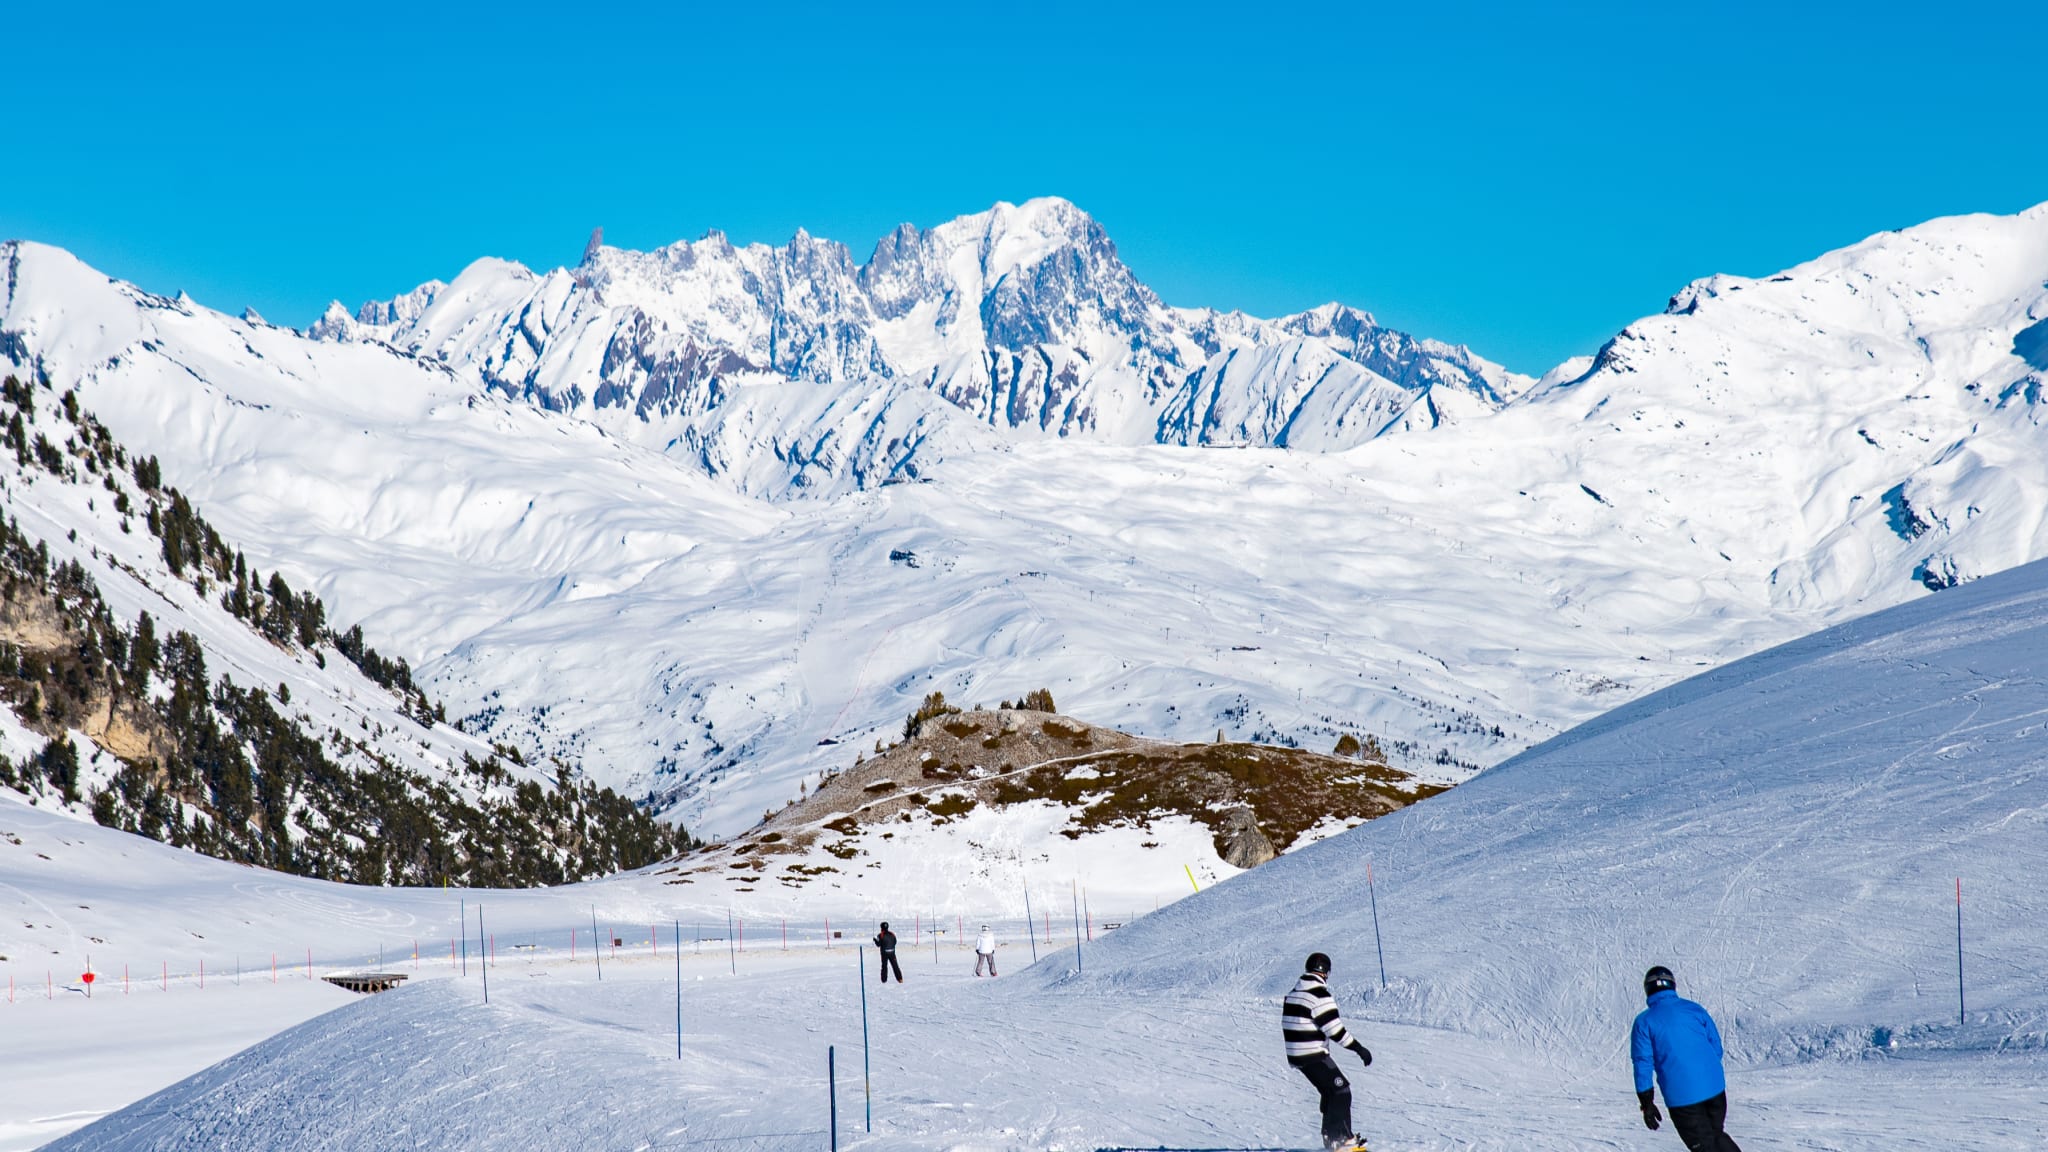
1786, 832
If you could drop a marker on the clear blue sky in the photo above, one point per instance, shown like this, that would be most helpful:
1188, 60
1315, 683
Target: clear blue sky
1524, 179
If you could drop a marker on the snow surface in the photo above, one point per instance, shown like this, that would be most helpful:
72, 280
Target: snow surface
1785, 832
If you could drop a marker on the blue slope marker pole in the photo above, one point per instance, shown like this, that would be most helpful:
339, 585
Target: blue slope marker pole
463, 919
832, 1095
1374, 893
866, 1078
1030, 925
485, 966
1959, 952
596, 949
1077, 926
731, 957
679, 989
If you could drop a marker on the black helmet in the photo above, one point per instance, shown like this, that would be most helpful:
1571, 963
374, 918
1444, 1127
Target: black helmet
1318, 963
885, 925
1658, 979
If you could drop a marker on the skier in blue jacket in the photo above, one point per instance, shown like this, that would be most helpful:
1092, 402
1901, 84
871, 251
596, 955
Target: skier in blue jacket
1676, 1040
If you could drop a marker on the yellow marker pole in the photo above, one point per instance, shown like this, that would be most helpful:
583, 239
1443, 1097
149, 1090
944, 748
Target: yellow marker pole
1191, 877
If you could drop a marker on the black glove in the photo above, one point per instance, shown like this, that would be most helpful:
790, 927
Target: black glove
1651, 1117
1363, 1053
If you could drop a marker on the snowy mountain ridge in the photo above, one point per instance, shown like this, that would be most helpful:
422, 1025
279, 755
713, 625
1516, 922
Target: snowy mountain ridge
1021, 317
1767, 457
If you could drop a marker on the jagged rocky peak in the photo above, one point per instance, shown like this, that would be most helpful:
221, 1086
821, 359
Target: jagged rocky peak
906, 268
1021, 318
1037, 273
403, 309
335, 325
1416, 364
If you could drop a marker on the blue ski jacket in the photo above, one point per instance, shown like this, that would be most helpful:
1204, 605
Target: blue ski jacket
1677, 1039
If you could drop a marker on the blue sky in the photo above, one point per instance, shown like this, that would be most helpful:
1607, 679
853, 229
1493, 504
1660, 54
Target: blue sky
1524, 179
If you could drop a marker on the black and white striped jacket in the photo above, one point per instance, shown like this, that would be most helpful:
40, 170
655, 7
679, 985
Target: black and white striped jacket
1310, 1022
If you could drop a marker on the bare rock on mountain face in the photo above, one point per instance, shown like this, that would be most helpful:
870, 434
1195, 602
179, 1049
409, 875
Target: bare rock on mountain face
1244, 846
1254, 799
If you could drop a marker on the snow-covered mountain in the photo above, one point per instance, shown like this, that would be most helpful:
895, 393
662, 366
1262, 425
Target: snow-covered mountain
1767, 457
794, 369
151, 678
1788, 833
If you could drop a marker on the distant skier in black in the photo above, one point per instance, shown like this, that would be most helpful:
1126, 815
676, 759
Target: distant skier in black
885, 940
1675, 1040
1310, 1023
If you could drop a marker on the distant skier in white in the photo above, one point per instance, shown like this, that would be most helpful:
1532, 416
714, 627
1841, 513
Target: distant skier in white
1310, 1024
985, 951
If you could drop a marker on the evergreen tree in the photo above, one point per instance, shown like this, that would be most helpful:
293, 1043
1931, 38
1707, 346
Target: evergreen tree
142, 653
59, 762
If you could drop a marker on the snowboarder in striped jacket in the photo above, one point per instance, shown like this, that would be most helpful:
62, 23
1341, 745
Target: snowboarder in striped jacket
1310, 1023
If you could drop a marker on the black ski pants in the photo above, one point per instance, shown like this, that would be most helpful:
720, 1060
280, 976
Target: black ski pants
1336, 1090
1699, 1125
888, 962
